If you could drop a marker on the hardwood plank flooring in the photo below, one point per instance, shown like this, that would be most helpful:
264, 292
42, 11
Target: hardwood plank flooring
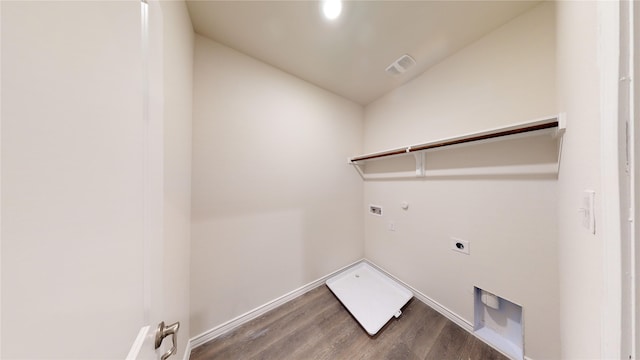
317, 326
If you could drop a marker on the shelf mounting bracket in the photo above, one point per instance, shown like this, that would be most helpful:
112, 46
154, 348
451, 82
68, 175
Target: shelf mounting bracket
420, 163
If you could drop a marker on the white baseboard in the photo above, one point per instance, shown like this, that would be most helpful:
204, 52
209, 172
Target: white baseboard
443, 310
259, 311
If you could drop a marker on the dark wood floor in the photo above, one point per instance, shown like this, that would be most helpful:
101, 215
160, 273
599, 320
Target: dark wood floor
317, 326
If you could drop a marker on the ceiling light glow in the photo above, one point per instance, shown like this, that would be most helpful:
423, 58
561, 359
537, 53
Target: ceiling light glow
332, 8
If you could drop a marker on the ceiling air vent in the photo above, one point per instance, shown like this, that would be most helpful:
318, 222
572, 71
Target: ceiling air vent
401, 65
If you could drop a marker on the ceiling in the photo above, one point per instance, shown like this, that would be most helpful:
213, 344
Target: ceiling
348, 56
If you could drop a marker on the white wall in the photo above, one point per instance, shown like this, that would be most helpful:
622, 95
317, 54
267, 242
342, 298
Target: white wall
274, 204
511, 222
483, 79
580, 253
178, 40
72, 205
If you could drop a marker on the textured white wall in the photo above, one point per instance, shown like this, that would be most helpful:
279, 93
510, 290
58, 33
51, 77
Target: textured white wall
274, 204
72, 204
508, 76
178, 41
580, 253
505, 77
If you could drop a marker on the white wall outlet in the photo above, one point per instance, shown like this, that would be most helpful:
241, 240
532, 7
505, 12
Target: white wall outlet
375, 210
461, 246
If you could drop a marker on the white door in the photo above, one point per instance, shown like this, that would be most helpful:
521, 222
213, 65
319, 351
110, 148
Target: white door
629, 175
635, 170
81, 141
156, 339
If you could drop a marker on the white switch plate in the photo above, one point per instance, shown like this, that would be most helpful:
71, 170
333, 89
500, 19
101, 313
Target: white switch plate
391, 226
588, 210
461, 246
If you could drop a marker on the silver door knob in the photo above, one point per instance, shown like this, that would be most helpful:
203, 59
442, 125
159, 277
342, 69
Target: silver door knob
164, 331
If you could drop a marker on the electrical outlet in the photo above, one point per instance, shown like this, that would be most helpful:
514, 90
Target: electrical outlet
461, 246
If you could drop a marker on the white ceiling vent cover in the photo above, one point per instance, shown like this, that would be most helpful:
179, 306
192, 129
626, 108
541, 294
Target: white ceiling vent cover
401, 65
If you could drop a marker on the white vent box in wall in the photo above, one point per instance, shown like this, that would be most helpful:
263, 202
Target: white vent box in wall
498, 322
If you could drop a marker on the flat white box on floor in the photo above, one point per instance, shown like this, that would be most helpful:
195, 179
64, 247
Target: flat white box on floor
370, 296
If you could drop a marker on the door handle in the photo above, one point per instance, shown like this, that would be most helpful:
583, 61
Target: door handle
164, 331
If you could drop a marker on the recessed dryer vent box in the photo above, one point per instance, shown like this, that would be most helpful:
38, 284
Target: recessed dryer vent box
498, 321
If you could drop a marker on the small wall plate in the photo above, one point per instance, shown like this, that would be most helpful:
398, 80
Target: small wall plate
461, 246
375, 210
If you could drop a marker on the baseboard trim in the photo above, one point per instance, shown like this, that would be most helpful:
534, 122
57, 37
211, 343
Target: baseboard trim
443, 310
260, 310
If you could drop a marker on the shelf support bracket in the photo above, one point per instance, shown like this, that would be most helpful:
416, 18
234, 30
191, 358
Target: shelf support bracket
358, 167
420, 163
562, 125
559, 134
